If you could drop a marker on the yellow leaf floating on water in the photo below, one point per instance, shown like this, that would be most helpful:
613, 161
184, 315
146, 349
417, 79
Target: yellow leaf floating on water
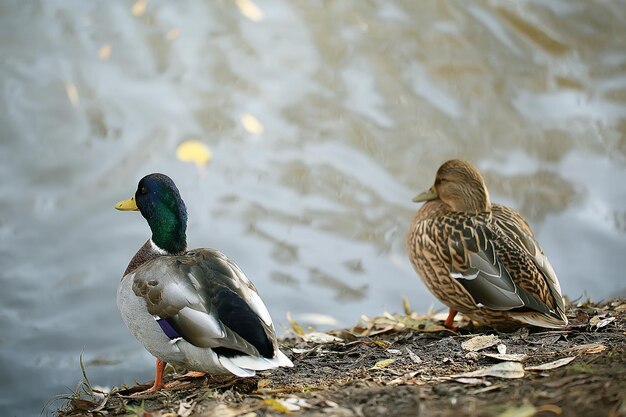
194, 151
250, 10
104, 52
251, 124
383, 364
139, 8
72, 93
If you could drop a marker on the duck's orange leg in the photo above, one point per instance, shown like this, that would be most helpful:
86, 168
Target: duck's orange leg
158, 379
449, 323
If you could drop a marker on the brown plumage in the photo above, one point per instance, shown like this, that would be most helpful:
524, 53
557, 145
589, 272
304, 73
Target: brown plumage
481, 259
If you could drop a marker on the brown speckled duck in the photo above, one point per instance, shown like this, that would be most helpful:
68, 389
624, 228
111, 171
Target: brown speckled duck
481, 259
194, 308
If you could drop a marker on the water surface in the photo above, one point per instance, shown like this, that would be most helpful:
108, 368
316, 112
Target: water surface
324, 119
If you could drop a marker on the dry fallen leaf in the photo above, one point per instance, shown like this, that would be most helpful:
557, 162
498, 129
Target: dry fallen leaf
280, 406
406, 306
294, 325
413, 356
382, 364
508, 370
596, 319
298, 402
395, 323
263, 383
472, 381
381, 344
589, 348
480, 342
374, 330
512, 357
320, 338
602, 323
403, 380
551, 365
185, 409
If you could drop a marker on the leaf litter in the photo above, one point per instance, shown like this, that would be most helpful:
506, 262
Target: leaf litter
396, 364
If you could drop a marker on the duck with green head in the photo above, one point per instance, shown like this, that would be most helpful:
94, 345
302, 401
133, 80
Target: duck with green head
479, 258
193, 308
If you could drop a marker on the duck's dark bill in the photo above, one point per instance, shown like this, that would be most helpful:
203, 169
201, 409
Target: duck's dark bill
127, 205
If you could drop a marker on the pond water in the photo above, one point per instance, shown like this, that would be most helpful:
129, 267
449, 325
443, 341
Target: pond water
324, 119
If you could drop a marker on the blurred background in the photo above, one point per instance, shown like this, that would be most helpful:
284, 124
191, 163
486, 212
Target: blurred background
297, 132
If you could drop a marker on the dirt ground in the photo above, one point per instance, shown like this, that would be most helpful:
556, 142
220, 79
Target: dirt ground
408, 365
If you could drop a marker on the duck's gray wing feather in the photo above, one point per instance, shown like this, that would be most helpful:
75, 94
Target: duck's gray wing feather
516, 228
476, 266
206, 299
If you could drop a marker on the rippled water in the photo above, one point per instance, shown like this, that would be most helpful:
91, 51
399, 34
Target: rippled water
324, 119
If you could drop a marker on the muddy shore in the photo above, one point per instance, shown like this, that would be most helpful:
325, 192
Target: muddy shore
407, 365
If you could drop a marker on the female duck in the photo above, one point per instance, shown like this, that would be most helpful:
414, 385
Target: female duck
193, 308
481, 259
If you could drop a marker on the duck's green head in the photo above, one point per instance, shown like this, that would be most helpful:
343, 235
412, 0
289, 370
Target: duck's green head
158, 200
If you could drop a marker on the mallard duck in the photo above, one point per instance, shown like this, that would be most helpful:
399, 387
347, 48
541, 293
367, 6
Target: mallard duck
481, 259
192, 308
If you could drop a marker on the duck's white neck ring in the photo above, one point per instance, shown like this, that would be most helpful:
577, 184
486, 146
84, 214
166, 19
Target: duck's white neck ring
157, 249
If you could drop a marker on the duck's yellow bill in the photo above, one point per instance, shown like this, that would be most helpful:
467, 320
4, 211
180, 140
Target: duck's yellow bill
431, 194
127, 205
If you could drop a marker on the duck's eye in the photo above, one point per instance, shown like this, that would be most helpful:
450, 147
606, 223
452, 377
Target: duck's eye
143, 190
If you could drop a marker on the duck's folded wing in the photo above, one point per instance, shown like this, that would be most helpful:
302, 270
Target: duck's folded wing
197, 302
477, 267
520, 232
215, 266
